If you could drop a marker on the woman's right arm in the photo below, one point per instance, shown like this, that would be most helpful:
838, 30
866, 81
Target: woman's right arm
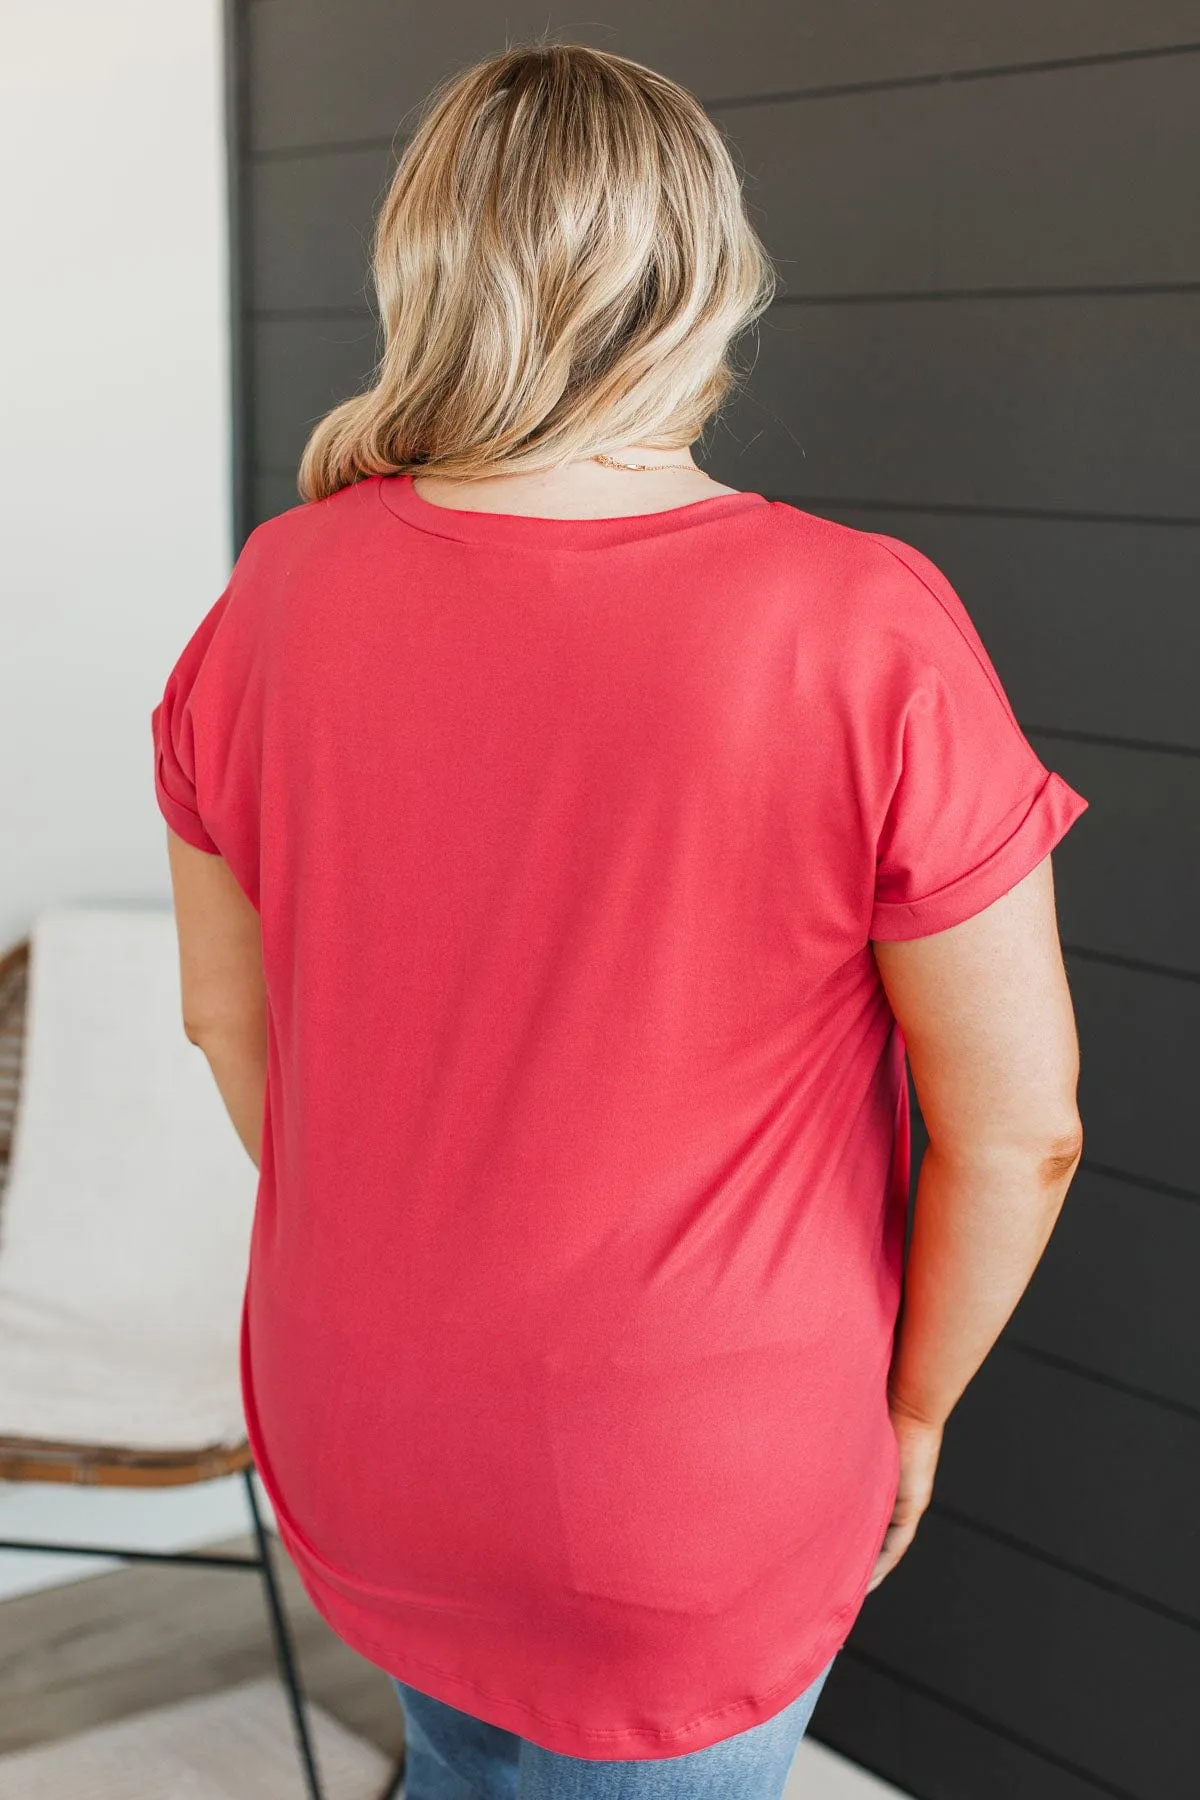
989, 1028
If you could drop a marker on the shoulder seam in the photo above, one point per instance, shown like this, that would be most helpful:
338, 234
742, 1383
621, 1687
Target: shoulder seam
992, 676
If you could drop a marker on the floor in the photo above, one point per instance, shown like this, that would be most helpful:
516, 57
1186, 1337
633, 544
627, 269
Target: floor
78, 1654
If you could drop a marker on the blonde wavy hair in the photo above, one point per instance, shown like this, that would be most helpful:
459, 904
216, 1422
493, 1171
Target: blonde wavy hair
562, 263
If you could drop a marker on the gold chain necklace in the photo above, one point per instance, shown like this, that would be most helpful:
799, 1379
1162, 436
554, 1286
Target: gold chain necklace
651, 468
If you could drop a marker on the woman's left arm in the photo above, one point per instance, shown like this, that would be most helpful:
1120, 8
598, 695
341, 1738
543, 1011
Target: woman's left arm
221, 981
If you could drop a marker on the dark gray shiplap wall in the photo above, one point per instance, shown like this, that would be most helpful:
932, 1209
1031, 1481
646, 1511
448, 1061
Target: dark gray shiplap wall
988, 344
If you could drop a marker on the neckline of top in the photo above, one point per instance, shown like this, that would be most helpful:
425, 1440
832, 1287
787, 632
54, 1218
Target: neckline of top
534, 531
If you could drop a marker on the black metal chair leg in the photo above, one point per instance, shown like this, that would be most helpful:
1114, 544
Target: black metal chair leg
284, 1651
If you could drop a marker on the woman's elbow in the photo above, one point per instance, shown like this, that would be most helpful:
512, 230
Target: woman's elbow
1062, 1156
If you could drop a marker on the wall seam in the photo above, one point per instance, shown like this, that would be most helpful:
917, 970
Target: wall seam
1049, 1559
994, 72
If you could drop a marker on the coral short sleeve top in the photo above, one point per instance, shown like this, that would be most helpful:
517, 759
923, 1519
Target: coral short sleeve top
577, 1251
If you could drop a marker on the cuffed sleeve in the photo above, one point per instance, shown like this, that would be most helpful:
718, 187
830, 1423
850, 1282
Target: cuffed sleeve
173, 729
174, 791
972, 810
1052, 811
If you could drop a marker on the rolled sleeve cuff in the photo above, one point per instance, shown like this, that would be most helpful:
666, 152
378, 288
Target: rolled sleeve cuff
183, 819
1052, 811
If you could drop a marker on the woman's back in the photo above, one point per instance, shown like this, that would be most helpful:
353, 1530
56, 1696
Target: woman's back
577, 1256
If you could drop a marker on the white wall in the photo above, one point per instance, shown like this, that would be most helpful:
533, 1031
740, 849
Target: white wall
114, 500
114, 454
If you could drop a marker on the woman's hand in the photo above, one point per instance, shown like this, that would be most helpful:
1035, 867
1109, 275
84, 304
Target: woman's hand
919, 1444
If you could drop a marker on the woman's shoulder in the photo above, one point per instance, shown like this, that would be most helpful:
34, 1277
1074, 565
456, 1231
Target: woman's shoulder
310, 520
838, 543
878, 581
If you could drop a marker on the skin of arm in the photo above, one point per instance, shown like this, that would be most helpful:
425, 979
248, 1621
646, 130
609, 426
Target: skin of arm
221, 982
989, 1029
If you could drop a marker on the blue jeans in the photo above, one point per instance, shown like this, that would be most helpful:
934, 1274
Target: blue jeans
453, 1756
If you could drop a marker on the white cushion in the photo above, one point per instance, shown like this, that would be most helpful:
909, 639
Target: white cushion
124, 1228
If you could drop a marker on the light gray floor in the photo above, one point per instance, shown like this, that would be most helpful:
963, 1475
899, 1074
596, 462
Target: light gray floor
80, 1654
817, 1774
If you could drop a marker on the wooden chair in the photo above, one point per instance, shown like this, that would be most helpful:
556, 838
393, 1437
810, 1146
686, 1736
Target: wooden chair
36, 1458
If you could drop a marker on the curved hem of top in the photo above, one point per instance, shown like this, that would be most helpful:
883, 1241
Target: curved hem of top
614, 1744
531, 531
609, 1744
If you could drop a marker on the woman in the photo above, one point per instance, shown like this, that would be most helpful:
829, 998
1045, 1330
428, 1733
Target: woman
567, 848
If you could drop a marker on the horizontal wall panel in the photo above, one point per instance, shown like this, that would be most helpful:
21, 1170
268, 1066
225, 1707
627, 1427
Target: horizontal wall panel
1116, 1288
325, 73
312, 221
1104, 1683
300, 368
1092, 626
1083, 166
1091, 178
928, 1748
1029, 1449
1137, 1093
1128, 871
1077, 404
